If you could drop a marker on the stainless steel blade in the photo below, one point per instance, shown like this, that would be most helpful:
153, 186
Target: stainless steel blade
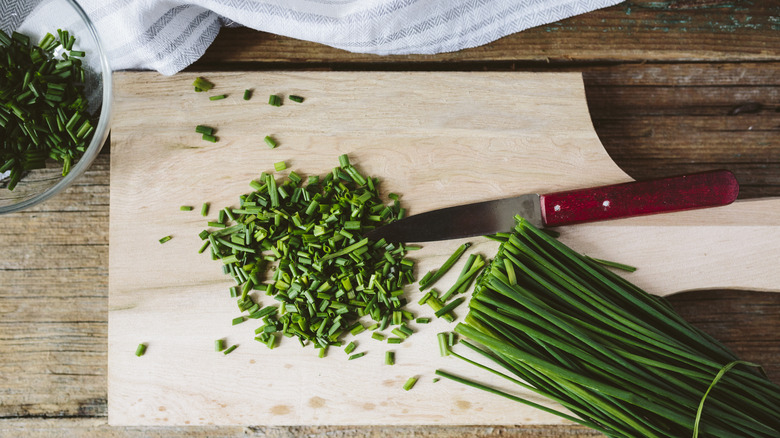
468, 220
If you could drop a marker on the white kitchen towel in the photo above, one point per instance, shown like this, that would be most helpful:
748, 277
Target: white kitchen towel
169, 35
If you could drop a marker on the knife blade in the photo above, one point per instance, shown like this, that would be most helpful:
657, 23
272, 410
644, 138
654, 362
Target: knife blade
637, 198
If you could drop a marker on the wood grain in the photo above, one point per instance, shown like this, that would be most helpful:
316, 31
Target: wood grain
419, 151
422, 133
97, 428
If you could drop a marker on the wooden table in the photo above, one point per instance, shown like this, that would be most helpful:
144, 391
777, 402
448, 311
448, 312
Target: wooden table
672, 86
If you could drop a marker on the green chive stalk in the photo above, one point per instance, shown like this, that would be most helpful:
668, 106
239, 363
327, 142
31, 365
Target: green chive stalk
616, 358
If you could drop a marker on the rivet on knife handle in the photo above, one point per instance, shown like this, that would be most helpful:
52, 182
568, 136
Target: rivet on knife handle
699, 190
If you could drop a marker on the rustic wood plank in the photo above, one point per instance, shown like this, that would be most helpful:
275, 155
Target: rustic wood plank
97, 428
759, 313
636, 30
692, 117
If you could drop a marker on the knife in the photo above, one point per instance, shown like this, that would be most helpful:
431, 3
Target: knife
687, 192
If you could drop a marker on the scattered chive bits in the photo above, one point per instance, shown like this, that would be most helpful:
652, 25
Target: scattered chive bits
44, 111
204, 209
203, 129
295, 98
230, 349
247, 94
210, 138
219, 345
186, 208
289, 240
140, 350
218, 97
280, 166
410, 383
389, 358
357, 355
202, 84
270, 141
274, 100
165, 239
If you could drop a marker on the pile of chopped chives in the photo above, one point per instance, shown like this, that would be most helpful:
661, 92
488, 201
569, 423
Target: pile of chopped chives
43, 106
300, 242
620, 360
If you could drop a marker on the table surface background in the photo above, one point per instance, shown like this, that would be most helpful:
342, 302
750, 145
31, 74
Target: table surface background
672, 86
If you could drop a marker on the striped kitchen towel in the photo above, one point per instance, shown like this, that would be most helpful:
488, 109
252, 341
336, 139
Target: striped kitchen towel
167, 36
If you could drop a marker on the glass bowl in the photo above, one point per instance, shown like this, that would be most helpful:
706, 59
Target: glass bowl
36, 18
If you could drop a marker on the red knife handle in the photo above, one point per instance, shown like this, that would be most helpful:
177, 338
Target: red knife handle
699, 190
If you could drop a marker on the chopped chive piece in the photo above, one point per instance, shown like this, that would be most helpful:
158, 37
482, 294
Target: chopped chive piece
202, 84
451, 339
186, 208
218, 97
274, 100
296, 98
436, 379
210, 138
436, 305
359, 328
444, 349
270, 141
203, 129
451, 305
140, 350
165, 239
422, 320
357, 355
389, 358
204, 209
394, 340
219, 345
238, 320
280, 165
350, 348
230, 349
247, 94
410, 383
378, 336
424, 298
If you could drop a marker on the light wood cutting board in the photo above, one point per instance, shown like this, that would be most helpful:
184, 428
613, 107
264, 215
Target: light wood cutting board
439, 139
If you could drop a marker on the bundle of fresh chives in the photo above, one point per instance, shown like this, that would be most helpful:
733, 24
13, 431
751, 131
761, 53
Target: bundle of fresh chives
619, 359
43, 105
303, 246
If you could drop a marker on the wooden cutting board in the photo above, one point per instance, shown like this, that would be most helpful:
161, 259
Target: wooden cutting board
438, 139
